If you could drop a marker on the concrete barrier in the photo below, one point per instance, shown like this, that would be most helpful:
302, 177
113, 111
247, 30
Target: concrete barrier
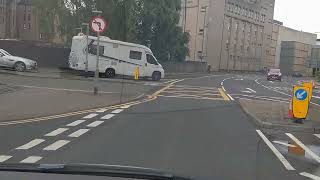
47, 55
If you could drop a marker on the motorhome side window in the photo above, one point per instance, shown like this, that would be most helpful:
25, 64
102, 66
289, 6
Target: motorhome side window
93, 49
135, 55
151, 60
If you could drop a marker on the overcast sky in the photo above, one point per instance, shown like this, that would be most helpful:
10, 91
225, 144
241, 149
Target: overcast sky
299, 14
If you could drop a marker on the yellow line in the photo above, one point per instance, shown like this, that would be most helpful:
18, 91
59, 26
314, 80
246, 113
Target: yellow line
224, 95
72, 113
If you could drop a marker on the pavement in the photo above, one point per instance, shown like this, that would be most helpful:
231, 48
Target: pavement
193, 126
24, 97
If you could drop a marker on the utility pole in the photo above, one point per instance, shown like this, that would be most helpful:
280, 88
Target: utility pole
204, 31
87, 48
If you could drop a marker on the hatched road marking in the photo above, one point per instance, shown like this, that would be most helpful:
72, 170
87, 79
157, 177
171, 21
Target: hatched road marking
95, 124
4, 158
283, 160
31, 159
108, 116
75, 123
57, 132
311, 176
79, 133
307, 150
31, 144
56, 145
90, 116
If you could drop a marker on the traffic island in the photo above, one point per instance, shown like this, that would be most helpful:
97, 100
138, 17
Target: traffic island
274, 115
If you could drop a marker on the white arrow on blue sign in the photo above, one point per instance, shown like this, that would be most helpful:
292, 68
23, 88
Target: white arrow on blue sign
301, 94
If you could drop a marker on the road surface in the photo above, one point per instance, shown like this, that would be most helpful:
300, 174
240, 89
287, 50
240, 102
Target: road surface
192, 127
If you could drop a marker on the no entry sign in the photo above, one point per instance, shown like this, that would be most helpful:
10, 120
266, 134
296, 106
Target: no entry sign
99, 24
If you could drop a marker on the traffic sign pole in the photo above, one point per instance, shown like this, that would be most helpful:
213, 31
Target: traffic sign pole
96, 77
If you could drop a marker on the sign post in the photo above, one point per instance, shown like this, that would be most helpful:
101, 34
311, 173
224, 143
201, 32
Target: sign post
300, 102
98, 25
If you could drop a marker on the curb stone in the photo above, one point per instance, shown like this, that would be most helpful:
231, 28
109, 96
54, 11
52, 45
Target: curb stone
267, 125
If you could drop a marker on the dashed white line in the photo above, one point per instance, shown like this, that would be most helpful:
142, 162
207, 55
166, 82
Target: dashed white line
311, 176
108, 116
299, 143
283, 160
4, 158
95, 124
31, 159
126, 107
56, 145
79, 133
101, 111
75, 123
90, 116
31, 144
117, 111
57, 132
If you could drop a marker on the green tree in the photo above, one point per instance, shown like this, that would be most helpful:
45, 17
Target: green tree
138, 21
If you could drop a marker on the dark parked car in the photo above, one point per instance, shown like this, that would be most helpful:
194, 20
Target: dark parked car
274, 74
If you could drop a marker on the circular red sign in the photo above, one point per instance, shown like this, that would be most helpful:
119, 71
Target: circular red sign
98, 24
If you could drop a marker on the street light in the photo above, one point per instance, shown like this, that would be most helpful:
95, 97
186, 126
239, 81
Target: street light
96, 77
87, 48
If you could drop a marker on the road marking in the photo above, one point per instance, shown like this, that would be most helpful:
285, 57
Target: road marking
283, 143
126, 107
311, 176
4, 158
251, 90
101, 110
75, 123
79, 133
95, 124
90, 116
108, 116
117, 111
31, 144
46, 118
224, 89
230, 97
223, 94
317, 135
283, 160
57, 132
31, 159
56, 145
307, 150
60, 89
189, 97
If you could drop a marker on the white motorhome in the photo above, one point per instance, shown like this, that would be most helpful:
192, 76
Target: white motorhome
116, 58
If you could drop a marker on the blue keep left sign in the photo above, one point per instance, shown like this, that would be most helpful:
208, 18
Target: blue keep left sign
301, 94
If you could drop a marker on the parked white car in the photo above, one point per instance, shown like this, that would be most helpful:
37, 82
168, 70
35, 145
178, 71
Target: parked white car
116, 58
18, 63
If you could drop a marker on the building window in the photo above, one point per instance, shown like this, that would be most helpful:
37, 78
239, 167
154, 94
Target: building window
24, 26
24, 17
29, 25
29, 17
201, 31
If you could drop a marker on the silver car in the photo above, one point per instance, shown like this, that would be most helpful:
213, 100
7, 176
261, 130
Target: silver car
18, 63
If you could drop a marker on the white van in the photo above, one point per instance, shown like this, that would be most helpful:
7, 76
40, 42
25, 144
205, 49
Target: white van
116, 58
